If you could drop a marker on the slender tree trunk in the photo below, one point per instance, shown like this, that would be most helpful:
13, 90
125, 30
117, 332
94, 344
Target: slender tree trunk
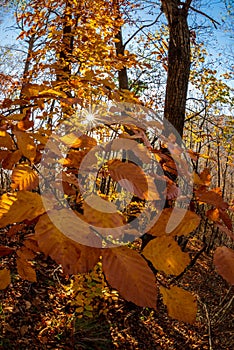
178, 63
122, 74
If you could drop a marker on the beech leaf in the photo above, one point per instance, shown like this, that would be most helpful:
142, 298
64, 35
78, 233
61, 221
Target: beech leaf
224, 263
19, 206
181, 304
26, 144
24, 178
25, 270
165, 254
65, 251
130, 176
5, 278
4, 251
128, 272
175, 222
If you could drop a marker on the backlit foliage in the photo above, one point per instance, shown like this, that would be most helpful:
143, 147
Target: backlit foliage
72, 64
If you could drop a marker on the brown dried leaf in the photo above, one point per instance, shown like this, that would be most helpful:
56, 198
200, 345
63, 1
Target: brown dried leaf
129, 273
25, 254
25, 270
5, 278
181, 304
4, 251
212, 197
165, 254
19, 206
180, 223
12, 158
24, 177
224, 263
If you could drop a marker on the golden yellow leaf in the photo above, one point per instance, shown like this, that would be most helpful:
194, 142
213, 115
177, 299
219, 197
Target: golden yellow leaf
25, 270
24, 178
130, 176
175, 222
181, 304
165, 254
5, 278
26, 144
6, 140
129, 273
19, 206
65, 251
82, 141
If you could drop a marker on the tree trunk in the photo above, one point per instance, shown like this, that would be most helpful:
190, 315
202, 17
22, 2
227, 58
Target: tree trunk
122, 74
178, 63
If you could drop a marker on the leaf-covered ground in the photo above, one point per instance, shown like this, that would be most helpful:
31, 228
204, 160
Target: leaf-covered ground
42, 315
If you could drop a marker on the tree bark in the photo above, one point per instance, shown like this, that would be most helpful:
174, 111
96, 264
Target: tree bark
178, 64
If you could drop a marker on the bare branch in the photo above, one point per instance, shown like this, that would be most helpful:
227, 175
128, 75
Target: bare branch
207, 16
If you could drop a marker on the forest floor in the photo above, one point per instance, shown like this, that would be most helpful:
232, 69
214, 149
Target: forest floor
38, 316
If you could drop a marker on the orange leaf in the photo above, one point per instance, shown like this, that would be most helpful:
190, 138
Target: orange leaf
138, 149
165, 254
82, 141
25, 253
62, 249
25, 270
129, 273
12, 158
5, 278
26, 144
205, 177
181, 304
175, 222
212, 197
4, 251
19, 206
224, 263
6, 140
106, 216
130, 176
213, 214
24, 178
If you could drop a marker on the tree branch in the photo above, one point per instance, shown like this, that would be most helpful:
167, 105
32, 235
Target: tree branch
141, 28
207, 16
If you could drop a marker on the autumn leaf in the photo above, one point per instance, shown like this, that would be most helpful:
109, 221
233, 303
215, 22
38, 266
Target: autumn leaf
24, 177
181, 304
224, 263
4, 251
212, 197
26, 144
12, 158
25, 253
138, 149
101, 213
130, 176
5, 278
6, 140
19, 206
128, 272
175, 222
213, 214
83, 141
65, 251
25, 270
165, 255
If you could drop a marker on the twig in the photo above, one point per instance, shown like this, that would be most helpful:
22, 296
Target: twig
207, 16
209, 326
